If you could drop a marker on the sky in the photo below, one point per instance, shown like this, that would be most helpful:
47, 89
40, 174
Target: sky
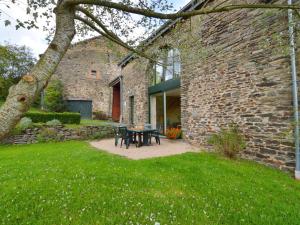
35, 39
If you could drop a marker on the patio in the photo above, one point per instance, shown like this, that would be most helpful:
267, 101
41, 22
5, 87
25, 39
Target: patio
167, 148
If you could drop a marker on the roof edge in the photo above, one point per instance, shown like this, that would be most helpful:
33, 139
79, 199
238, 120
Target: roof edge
162, 30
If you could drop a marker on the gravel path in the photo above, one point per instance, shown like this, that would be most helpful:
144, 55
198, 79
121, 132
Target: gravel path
167, 148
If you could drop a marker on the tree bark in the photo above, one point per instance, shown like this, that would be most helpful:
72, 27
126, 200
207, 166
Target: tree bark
23, 94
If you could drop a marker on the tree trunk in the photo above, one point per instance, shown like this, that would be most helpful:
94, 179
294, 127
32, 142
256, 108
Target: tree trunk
23, 94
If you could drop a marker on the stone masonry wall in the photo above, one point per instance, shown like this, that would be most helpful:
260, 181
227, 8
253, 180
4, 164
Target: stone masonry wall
75, 70
59, 133
238, 71
135, 84
247, 82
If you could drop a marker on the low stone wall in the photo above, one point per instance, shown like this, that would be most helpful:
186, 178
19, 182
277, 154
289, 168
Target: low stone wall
59, 133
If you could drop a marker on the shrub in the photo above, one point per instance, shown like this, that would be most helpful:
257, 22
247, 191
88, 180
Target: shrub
173, 133
229, 141
53, 98
25, 123
48, 135
53, 122
99, 115
98, 135
65, 118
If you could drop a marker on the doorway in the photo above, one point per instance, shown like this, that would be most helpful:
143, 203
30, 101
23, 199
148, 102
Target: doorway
165, 110
116, 103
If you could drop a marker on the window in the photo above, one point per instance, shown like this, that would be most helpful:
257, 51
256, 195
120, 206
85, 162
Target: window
93, 73
131, 112
167, 67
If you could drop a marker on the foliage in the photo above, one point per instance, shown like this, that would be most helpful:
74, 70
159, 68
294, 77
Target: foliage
85, 122
100, 115
173, 133
65, 118
25, 123
15, 61
91, 186
53, 98
229, 141
54, 122
48, 135
101, 135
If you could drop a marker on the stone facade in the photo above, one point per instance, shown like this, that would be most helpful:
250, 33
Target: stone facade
239, 73
86, 70
135, 82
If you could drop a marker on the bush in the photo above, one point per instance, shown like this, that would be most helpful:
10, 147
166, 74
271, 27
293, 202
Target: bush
53, 98
65, 118
25, 123
229, 142
54, 122
48, 135
99, 115
173, 133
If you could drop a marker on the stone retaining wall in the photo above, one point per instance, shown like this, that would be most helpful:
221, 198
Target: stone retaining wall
59, 133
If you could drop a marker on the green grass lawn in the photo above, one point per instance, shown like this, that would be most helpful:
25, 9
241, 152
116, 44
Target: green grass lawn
72, 183
85, 122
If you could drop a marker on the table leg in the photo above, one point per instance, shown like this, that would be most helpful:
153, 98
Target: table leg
140, 139
146, 138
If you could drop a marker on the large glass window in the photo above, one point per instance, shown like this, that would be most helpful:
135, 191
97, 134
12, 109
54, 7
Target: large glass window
167, 67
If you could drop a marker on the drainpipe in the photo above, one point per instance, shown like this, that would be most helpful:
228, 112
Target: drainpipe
294, 89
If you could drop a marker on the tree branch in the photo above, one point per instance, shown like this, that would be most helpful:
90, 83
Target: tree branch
97, 21
112, 38
203, 11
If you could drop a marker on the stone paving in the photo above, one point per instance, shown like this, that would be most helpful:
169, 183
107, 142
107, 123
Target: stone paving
167, 148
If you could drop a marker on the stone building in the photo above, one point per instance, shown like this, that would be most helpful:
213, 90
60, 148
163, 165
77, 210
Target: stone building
212, 71
85, 71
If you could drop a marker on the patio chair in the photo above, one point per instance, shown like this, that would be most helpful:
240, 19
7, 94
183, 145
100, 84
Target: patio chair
125, 136
154, 134
147, 126
117, 133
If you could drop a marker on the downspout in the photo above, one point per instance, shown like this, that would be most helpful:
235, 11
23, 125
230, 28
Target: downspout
294, 89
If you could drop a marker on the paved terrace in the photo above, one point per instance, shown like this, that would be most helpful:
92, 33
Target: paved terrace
166, 148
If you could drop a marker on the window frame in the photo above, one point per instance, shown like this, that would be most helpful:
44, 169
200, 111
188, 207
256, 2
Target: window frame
169, 62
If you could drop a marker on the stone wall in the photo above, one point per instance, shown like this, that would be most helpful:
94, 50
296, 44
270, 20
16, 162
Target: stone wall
235, 68
59, 133
135, 82
86, 70
247, 82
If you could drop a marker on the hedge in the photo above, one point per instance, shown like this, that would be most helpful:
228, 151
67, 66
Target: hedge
66, 117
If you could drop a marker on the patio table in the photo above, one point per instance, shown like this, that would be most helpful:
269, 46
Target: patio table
141, 132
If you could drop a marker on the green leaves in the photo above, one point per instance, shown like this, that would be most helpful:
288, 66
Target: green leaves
54, 96
15, 61
7, 23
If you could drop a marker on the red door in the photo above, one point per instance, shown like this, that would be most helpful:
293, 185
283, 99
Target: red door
116, 104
